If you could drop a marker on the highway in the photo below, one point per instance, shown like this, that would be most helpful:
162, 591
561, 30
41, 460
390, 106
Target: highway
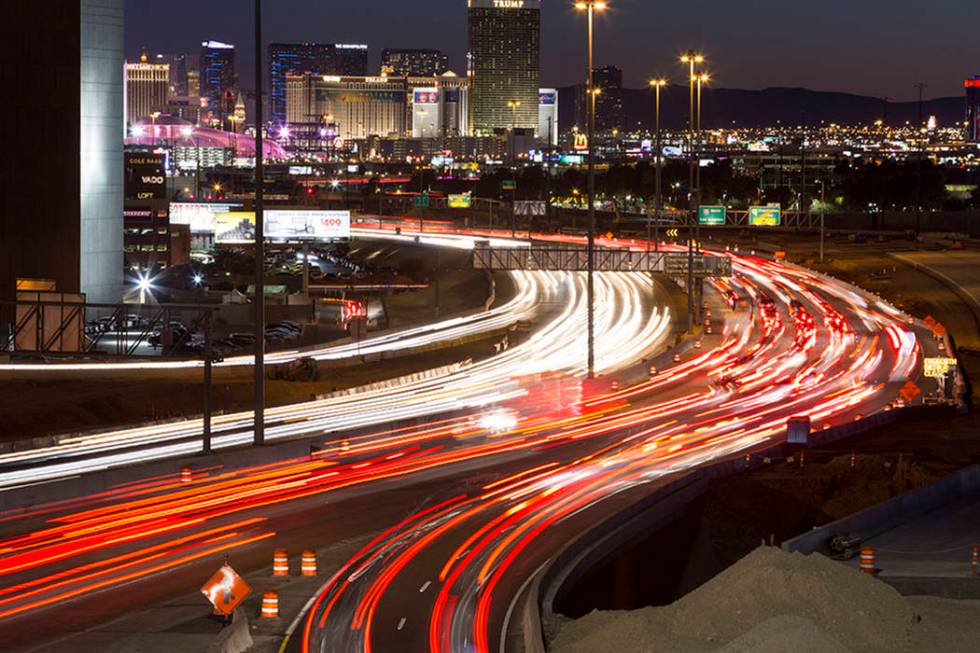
491, 484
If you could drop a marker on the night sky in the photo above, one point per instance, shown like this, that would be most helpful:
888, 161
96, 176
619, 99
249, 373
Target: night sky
870, 47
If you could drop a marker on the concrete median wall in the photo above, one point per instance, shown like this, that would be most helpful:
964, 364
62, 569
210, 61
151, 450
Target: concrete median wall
886, 516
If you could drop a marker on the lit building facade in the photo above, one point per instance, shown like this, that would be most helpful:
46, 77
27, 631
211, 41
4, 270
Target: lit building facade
147, 88
439, 106
413, 63
294, 59
217, 79
357, 107
973, 109
178, 71
504, 61
350, 60
548, 116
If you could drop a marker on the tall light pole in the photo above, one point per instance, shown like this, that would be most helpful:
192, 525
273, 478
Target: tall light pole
918, 164
591, 6
657, 85
691, 59
703, 79
259, 299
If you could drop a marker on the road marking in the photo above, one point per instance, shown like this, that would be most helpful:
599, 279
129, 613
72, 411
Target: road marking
401, 623
425, 586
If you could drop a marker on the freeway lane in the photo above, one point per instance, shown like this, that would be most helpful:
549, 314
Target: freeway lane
557, 300
511, 476
816, 348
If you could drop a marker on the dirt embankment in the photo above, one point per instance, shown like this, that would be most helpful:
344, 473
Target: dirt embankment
776, 602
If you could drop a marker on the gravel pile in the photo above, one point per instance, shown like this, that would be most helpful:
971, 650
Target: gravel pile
770, 601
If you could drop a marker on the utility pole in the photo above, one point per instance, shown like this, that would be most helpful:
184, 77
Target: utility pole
803, 168
259, 299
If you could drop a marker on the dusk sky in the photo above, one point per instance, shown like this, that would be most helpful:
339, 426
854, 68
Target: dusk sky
860, 46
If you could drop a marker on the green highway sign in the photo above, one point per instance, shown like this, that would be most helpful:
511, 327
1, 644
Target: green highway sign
765, 216
421, 200
508, 185
711, 215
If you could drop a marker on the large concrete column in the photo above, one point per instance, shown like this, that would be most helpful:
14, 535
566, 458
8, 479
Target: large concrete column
102, 124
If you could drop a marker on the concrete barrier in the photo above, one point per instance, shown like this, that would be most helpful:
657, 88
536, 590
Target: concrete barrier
591, 548
886, 516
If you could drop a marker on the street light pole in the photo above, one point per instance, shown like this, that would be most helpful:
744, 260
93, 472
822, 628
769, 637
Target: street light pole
259, 299
657, 84
591, 6
691, 58
823, 210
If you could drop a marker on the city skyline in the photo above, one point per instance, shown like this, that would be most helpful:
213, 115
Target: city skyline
746, 49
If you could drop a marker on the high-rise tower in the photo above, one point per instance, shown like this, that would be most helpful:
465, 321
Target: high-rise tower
505, 46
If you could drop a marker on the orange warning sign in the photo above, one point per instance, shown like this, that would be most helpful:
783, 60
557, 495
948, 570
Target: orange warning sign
226, 589
910, 392
938, 330
929, 321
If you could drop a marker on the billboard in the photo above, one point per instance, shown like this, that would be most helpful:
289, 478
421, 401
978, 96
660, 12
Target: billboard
765, 216
146, 176
712, 215
426, 96
581, 143
238, 228
199, 216
307, 225
234, 228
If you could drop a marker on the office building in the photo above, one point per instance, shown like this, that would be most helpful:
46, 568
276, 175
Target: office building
147, 88
353, 107
548, 117
439, 106
194, 81
218, 80
413, 63
349, 60
504, 53
60, 220
294, 59
178, 71
972, 87
609, 113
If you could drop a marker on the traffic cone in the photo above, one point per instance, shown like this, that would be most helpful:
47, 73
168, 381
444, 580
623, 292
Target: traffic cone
308, 567
868, 560
973, 562
270, 605
280, 563
186, 475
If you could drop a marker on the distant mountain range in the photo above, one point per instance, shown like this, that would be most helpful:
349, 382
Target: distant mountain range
768, 107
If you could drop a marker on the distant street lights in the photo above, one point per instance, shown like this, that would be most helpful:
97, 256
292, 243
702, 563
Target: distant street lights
657, 85
591, 6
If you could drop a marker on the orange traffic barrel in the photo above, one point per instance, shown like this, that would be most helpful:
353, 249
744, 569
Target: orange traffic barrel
186, 475
270, 604
280, 563
677, 358
973, 562
868, 560
308, 567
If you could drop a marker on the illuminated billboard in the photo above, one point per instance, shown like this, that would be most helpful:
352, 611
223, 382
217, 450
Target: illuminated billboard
307, 225
238, 228
199, 216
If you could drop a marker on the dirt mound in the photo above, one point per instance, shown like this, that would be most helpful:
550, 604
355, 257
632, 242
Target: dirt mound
854, 608
768, 601
786, 634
